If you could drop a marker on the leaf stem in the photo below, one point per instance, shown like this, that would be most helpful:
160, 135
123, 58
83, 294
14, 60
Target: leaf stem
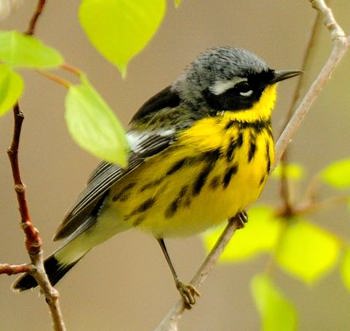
71, 69
55, 79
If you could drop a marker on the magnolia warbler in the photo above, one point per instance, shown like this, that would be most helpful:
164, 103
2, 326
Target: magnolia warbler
201, 150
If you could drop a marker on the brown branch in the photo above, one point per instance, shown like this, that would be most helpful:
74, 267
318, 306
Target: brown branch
33, 240
14, 269
38, 11
309, 207
285, 191
340, 46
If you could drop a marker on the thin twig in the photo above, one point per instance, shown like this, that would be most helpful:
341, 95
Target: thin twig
33, 240
14, 269
340, 45
309, 207
38, 11
285, 191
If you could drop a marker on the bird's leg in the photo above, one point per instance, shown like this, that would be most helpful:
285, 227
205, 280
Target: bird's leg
187, 291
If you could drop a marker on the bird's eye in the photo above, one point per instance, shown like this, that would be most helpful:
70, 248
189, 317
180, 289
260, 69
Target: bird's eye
244, 89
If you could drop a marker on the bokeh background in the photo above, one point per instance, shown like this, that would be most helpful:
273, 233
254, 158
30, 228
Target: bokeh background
125, 284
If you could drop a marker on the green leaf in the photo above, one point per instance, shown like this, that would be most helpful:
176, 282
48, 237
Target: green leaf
276, 312
294, 171
11, 88
93, 125
258, 236
337, 174
345, 269
120, 29
19, 50
307, 251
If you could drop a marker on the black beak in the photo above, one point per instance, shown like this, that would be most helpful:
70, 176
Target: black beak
280, 75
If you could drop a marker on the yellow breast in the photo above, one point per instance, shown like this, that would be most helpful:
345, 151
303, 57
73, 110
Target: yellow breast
214, 170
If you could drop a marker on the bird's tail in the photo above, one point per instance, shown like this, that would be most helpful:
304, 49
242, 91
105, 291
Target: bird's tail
76, 246
54, 270
56, 265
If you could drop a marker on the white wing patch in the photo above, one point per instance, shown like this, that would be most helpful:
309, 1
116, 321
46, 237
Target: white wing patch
221, 86
137, 139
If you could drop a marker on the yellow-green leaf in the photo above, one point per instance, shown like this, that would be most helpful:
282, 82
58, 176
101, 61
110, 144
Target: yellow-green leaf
307, 251
258, 236
93, 125
345, 269
19, 50
337, 174
293, 171
11, 88
276, 312
120, 29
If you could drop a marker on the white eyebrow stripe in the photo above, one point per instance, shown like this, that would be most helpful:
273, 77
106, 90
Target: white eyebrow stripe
221, 86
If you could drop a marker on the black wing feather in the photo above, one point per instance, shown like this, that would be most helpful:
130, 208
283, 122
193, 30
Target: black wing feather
164, 99
100, 169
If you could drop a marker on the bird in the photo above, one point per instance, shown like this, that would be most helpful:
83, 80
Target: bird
200, 153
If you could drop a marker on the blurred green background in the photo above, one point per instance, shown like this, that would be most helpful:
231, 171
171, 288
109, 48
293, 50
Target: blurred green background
125, 284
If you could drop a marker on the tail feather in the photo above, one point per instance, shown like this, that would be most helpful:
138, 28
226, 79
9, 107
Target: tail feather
54, 269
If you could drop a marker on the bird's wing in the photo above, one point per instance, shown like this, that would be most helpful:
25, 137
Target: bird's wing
90, 201
143, 144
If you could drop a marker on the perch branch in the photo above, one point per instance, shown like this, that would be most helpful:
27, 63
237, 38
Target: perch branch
341, 44
285, 191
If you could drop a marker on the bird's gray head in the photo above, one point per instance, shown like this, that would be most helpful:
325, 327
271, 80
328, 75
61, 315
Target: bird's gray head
225, 78
220, 79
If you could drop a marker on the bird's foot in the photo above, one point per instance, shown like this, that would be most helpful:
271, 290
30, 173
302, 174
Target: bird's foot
241, 218
188, 293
